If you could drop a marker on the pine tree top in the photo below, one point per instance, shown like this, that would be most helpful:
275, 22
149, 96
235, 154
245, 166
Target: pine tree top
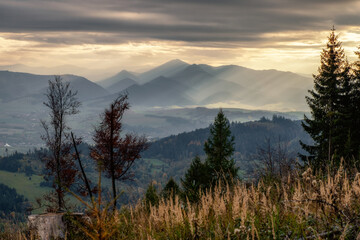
219, 148
220, 145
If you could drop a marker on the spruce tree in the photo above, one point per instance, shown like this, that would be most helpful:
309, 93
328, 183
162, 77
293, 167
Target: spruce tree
219, 149
171, 189
355, 143
151, 196
219, 163
196, 180
345, 134
325, 104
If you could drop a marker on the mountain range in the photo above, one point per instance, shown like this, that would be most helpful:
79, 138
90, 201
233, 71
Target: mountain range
177, 83
169, 99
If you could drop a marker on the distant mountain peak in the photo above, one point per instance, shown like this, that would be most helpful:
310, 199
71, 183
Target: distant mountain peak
167, 69
124, 72
176, 61
173, 63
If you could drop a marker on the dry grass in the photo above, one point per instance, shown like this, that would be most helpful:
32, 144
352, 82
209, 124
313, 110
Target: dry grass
301, 207
12, 231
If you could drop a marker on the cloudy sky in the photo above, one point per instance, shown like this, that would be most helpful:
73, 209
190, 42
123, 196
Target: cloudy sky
113, 35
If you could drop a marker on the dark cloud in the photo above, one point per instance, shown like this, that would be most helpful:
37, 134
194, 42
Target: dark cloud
180, 20
349, 19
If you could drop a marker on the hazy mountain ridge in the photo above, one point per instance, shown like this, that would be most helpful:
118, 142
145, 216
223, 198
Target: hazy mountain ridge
121, 85
201, 84
106, 83
177, 83
166, 70
16, 85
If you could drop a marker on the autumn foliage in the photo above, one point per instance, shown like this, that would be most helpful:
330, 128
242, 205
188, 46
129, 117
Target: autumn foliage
114, 151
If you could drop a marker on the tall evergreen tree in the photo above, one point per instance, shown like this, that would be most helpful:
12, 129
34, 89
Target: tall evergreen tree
171, 189
325, 104
356, 109
219, 149
151, 196
219, 163
196, 180
345, 133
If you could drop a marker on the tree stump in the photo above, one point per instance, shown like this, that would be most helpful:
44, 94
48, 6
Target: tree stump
50, 225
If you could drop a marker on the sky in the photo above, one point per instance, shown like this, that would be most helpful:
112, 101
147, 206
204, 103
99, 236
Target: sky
110, 35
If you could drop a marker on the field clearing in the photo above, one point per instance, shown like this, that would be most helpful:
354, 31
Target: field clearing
29, 188
154, 162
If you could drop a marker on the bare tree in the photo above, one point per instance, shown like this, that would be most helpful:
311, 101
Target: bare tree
274, 161
60, 165
116, 154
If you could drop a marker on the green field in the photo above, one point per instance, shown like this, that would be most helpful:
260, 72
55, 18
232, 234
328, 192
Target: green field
29, 188
156, 164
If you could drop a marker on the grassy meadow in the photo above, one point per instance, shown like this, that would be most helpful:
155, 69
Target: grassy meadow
24, 185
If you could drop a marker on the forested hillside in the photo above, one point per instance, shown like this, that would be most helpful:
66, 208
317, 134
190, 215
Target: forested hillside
249, 137
178, 150
11, 203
